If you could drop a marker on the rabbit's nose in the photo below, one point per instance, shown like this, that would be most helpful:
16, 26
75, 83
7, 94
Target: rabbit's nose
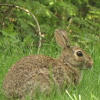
89, 64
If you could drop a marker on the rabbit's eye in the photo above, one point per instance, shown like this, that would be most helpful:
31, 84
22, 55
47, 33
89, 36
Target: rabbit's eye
79, 53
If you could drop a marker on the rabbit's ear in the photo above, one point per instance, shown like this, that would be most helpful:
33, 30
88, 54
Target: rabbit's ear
62, 38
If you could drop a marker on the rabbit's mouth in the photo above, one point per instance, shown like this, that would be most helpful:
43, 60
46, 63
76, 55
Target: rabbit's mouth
87, 65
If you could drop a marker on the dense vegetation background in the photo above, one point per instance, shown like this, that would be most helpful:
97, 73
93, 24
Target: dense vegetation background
19, 36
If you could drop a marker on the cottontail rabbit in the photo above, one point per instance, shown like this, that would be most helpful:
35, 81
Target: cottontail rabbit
34, 71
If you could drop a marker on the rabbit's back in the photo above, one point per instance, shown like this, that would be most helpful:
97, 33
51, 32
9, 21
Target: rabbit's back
31, 72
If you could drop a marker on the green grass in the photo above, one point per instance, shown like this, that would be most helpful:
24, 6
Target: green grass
88, 89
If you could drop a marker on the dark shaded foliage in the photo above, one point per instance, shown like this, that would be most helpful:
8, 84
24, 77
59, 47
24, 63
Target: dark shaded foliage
18, 28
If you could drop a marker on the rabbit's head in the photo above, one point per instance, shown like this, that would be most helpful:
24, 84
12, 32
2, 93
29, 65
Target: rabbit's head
72, 55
